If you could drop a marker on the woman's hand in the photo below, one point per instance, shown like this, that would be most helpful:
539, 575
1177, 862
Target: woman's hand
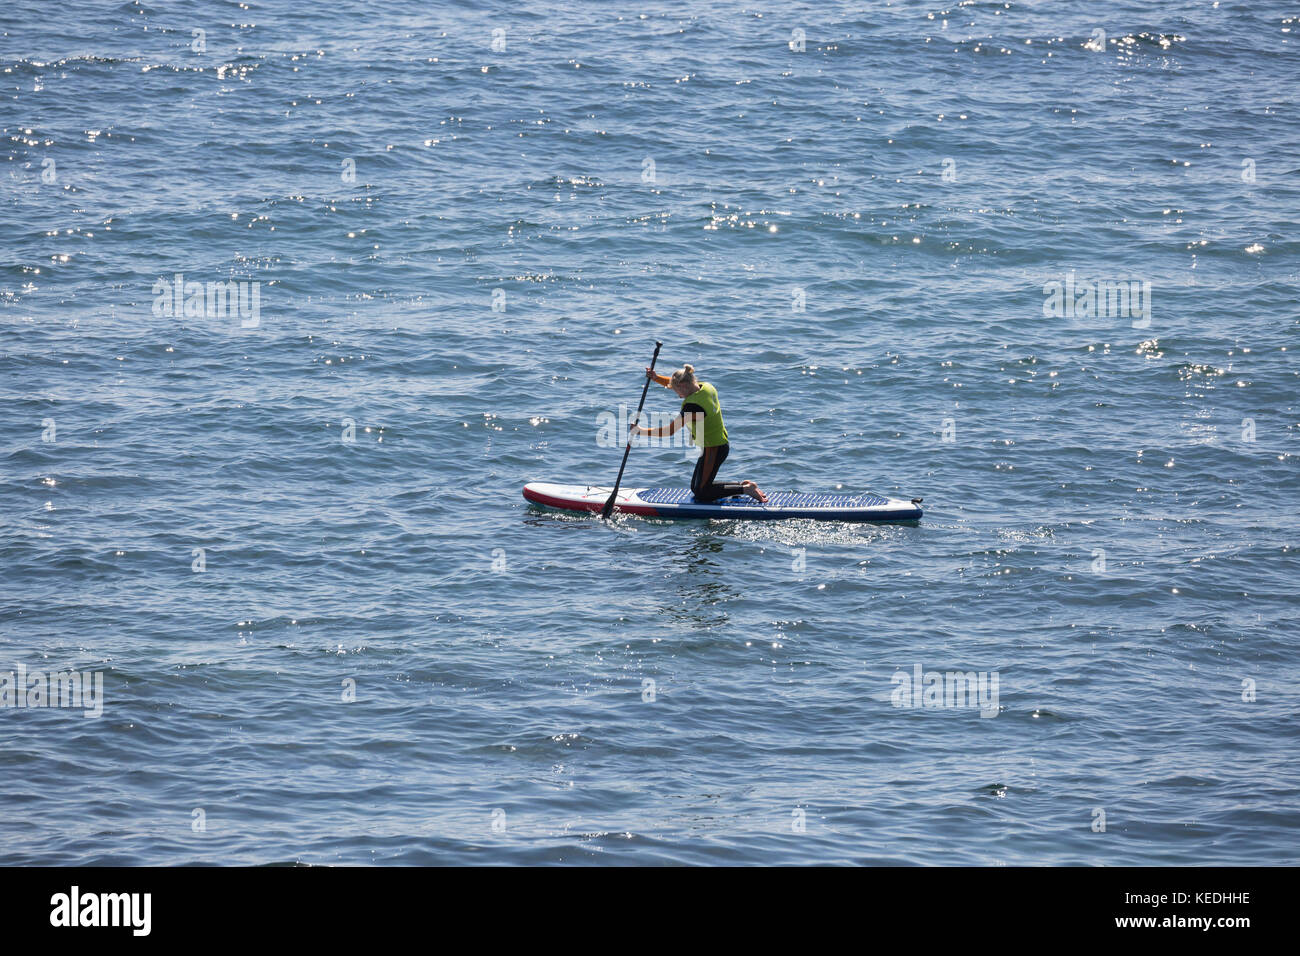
650, 374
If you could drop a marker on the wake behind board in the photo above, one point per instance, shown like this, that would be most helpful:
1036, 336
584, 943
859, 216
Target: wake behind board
680, 503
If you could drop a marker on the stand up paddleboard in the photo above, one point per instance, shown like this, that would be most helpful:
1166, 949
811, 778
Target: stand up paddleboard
680, 503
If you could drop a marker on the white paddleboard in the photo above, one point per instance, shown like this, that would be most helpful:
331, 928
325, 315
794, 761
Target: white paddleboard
680, 503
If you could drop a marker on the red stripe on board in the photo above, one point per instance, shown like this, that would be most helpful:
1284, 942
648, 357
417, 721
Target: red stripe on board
569, 504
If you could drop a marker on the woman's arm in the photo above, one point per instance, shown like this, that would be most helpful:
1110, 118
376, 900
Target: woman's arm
663, 380
663, 431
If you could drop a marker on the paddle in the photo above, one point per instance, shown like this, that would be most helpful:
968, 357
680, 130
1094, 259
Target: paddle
609, 505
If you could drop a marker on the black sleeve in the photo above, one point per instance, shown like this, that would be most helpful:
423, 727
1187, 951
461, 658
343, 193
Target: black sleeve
690, 408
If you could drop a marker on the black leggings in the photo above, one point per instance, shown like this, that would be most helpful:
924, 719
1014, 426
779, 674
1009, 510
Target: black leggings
706, 469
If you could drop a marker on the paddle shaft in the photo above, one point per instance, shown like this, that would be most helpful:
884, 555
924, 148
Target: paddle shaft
609, 505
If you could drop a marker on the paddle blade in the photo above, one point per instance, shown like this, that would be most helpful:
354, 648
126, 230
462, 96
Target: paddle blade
606, 511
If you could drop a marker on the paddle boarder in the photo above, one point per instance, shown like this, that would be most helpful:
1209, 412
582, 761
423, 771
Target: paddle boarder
701, 412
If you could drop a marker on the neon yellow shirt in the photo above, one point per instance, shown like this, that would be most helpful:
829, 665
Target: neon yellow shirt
706, 400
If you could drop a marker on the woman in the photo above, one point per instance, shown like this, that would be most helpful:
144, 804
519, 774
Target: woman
702, 414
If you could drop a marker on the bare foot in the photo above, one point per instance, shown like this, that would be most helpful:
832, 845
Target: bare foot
753, 491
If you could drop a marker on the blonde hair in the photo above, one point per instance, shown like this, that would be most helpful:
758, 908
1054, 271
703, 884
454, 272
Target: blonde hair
685, 374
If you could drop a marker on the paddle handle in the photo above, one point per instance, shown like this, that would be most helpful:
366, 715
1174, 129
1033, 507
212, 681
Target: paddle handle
609, 505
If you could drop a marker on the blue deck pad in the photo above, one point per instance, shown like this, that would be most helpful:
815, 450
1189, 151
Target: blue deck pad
788, 499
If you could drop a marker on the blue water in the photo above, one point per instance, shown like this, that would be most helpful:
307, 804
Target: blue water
1100, 533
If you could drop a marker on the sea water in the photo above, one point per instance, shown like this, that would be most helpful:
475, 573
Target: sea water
296, 298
